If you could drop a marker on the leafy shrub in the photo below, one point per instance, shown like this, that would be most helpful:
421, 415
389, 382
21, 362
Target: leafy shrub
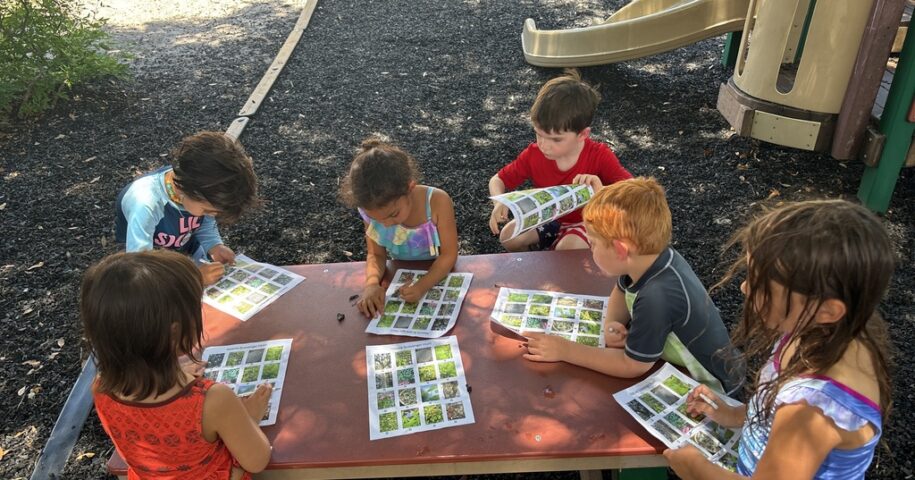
46, 48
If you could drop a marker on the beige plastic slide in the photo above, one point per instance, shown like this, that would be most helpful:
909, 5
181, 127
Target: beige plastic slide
641, 28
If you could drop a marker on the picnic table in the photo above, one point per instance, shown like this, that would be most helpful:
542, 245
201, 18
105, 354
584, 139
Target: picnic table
529, 416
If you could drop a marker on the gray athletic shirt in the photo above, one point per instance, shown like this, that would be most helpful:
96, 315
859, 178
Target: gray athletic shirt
674, 318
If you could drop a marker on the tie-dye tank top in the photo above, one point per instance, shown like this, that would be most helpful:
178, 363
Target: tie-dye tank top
405, 243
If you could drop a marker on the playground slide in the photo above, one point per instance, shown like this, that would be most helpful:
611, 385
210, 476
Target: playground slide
641, 28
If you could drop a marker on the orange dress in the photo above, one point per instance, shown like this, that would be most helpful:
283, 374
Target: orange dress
165, 440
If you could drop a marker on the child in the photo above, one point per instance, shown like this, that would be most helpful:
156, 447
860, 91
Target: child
563, 154
402, 219
659, 310
816, 272
141, 312
174, 207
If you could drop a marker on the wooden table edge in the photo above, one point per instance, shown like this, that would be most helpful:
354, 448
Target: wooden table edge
610, 462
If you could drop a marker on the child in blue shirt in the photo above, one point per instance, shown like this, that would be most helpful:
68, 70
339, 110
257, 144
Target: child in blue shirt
175, 207
403, 219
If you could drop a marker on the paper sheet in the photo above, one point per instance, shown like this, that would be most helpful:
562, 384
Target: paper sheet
431, 317
534, 207
579, 318
244, 366
248, 287
416, 387
659, 404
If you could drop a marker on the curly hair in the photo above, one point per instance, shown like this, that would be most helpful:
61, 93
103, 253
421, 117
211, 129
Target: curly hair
379, 174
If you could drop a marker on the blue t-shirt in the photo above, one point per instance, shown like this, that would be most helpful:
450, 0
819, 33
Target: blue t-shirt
147, 218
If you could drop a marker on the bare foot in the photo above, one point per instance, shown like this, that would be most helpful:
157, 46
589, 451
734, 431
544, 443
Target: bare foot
256, 403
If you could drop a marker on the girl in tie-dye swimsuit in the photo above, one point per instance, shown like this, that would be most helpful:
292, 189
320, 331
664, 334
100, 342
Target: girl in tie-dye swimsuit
816, 272
403, 220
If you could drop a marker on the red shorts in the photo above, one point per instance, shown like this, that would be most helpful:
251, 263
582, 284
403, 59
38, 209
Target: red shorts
551, 233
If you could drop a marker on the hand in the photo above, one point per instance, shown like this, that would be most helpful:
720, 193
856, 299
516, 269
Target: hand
592, 180
211, 272
222, 254
615, 334
724, 415
372, 302
545, 348
256, 403
683, 460
499, 215
411, 293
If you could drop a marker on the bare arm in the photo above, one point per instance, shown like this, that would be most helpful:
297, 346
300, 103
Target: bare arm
443, 216
799, 442
372, 301
609, 361
496, 186
375, 261
499, 211
616, 307
225, 415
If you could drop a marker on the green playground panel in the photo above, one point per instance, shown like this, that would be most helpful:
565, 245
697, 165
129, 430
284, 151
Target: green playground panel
878, 183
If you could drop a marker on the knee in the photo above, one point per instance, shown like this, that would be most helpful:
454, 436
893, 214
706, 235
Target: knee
571, 242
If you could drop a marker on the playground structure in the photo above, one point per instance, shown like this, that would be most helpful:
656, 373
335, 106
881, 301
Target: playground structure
809, 74
641, 28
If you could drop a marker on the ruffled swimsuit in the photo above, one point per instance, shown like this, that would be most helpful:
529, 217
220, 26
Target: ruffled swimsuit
847, 408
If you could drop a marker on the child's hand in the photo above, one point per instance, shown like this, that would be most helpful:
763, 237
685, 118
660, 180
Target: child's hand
592, 180
211, 272
222, 254
411, 293
256, 403
683, 460
724, 415
545, 348
372, 302
499, 215
615, 334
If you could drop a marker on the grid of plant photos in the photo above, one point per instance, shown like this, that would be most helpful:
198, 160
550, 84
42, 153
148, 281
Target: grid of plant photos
659, 404
540, 205
415, 387
248, 287
244, 366
579, 318
431, 317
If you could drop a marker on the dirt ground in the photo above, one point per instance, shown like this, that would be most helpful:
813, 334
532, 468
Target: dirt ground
445, 80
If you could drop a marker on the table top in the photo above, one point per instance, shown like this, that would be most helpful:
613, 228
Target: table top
323, 415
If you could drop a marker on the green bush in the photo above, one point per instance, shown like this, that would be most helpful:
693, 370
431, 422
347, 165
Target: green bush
46, 48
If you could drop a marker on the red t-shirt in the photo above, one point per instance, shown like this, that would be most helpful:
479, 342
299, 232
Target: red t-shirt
596, 158
165, 440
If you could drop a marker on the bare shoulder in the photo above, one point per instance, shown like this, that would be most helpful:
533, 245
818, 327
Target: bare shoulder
440, 198
857, 371
218, 397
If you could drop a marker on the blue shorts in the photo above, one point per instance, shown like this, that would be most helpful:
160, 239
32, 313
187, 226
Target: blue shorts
550, 233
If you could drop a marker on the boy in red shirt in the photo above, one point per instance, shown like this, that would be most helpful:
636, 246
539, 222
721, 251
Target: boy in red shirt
563, 154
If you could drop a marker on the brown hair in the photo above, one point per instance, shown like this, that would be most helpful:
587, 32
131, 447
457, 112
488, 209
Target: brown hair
213, 167
140, 312
565, 104
822, 249
634, 210
379, 174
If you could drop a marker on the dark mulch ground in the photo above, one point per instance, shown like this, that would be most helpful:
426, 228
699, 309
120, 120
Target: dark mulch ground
447, 81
